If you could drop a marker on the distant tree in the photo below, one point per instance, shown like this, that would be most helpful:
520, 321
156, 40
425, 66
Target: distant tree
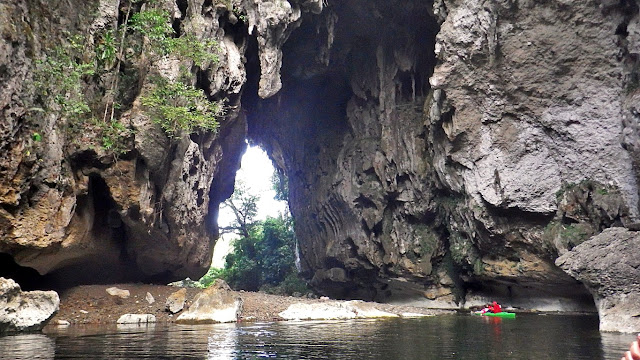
244, 205
242, 265
280, 185
263, 257
277, 249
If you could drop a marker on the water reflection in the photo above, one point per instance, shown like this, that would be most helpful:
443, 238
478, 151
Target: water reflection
443, 337
222, 343
27, 346
614, 345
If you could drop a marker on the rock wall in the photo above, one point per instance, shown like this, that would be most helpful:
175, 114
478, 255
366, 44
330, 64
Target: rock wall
608, 266
25, 310
448, 178
70, 207
531, 99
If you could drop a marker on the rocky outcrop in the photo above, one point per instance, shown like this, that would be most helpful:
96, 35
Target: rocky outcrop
334, 311
81, 204
25, 310
73, 209
175, 302
351, 98
216, 304
117, 292
453, 151
609, 267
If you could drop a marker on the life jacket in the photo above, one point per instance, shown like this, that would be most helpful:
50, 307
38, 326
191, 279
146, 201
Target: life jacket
496, 308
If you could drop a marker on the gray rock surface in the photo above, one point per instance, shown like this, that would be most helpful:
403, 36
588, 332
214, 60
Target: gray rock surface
175, 302
121, 293
272, 22
69, 208
334, 311
149, 298
25, 310
136, 319
609, 266
215, 304
465, 146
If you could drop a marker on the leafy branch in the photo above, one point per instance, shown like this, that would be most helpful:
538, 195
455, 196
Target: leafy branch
178, 107
244, 206
61, 76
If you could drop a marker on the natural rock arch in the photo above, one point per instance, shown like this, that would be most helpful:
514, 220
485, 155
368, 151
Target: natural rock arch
440, 151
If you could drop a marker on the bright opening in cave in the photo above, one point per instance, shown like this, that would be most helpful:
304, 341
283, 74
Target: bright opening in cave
256, 174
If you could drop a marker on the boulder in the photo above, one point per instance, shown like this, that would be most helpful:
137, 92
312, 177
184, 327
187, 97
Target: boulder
334, 310
25, 310
121, 293
136, 319
216, 304
150, 299
609, 266
175, 302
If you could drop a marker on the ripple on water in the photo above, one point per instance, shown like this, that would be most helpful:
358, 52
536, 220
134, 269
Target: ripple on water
434, 338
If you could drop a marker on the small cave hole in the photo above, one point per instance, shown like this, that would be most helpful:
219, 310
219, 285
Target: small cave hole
622, 30
175, 24
200, 199
193, 170
26, 277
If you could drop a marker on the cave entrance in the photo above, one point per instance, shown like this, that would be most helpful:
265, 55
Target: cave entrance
256, 184
257, 247
354, 85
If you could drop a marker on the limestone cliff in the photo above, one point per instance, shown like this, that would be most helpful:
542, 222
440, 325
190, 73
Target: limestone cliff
442, 152
95, 188
435, 151
73, 208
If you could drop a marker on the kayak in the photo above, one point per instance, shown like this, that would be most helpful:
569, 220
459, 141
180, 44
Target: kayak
506, 315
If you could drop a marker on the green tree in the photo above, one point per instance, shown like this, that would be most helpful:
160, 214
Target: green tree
265, 260
115, 67
243, 265
263, 257
277, 249
280, 185
244, 205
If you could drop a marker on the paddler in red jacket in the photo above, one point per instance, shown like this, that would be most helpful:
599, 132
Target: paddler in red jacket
496, 308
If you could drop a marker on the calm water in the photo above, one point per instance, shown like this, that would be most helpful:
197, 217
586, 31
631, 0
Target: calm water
445, 337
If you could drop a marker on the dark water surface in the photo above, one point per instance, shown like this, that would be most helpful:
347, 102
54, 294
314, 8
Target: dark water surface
528, 337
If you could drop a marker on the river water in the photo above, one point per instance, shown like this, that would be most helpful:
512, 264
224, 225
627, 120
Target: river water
458, 336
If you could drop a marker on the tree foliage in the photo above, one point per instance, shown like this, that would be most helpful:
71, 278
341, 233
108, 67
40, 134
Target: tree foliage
263, 257
244, 205
266, 257
176, 106
107, 68
280, 185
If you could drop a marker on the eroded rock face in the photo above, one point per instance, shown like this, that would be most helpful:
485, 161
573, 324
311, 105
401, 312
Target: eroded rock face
25, 310
528, 135
608, 265
348, 132
466, 173
71, 209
